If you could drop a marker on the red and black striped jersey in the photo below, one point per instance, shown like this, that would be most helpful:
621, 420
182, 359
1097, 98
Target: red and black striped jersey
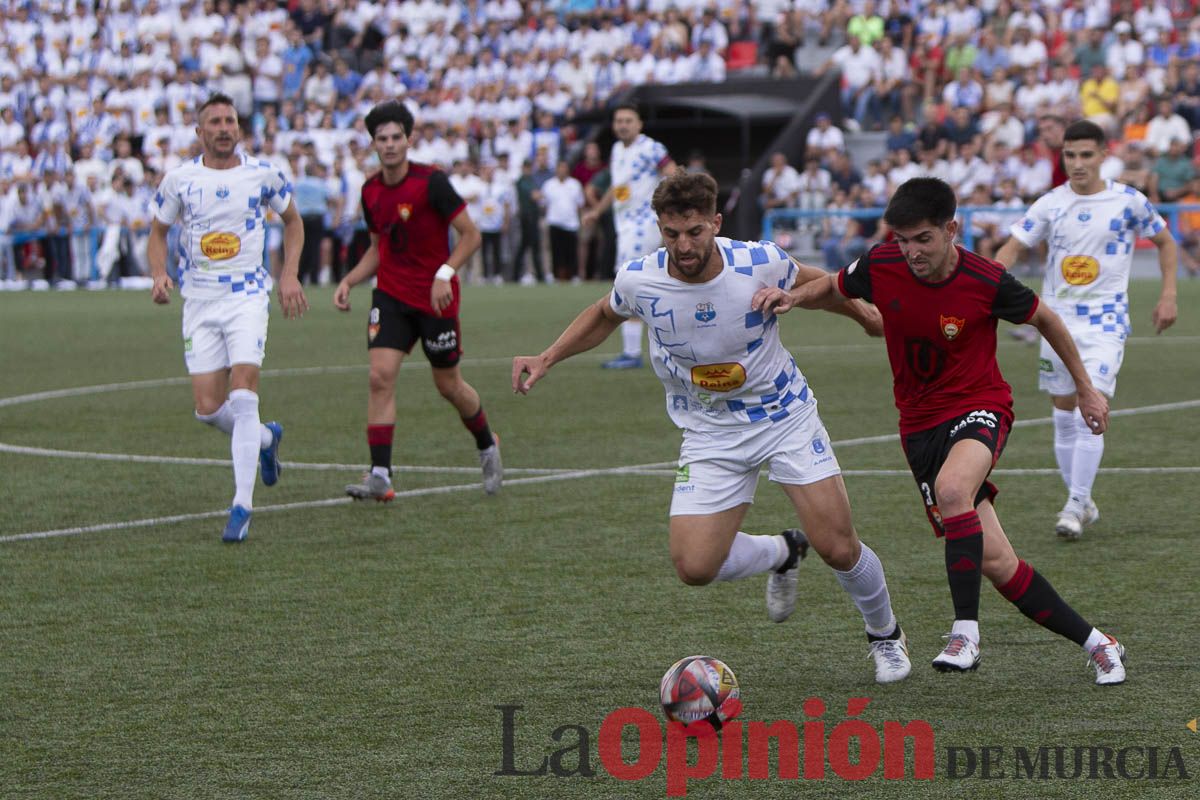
941, 337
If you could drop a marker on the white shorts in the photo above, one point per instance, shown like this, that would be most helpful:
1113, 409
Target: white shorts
1102, 354
718, 470
636, 239
220, 333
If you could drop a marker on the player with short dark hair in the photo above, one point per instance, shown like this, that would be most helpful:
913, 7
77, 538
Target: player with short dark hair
742, 404
940, 305
220, 197
1091, 226
409, 209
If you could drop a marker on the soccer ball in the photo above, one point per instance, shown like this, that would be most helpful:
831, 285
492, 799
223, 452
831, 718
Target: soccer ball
700, 688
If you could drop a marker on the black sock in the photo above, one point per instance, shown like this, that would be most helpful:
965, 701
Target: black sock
964, 562
1033, 595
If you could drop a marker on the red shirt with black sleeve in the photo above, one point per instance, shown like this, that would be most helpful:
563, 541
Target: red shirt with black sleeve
941, 337
412, 220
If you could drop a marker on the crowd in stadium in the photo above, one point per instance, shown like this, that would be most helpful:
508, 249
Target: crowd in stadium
97, 99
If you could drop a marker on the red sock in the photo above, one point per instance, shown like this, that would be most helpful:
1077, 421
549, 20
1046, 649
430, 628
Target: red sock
379, 439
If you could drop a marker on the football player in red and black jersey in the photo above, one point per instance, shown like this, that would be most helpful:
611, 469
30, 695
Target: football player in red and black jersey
940, 305
409, 209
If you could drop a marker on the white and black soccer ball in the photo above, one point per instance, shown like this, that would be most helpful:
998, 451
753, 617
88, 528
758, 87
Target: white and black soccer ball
700, 688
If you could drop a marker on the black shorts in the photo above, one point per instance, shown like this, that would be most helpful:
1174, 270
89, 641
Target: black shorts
397, 326
927, 450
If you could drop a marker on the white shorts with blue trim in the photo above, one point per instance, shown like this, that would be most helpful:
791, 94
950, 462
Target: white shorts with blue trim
220, 333
636, 239
718, 470
1102, 354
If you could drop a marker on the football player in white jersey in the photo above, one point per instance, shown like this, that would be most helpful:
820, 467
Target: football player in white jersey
221, 199
636, 164
1091, 226
742, 404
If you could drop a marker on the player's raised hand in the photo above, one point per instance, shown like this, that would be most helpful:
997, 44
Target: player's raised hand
291, 297
1094, 408
533, 366
1165, 313
341, 297
440, 296
160, 290
772, 300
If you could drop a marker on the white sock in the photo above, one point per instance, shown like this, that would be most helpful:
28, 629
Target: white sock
221, 419
244, 447
381, 472
1089, 449
867, 587
1094, 640
631, 338
1064, 442
968, 628
750, 555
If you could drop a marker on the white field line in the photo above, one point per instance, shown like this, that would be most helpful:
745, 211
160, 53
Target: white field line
333, 501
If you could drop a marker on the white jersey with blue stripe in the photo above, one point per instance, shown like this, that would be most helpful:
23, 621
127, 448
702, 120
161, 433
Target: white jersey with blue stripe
1090, 239
721, 364
222, 213
634, 178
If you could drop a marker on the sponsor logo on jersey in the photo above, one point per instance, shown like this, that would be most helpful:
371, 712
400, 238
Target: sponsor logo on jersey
1080, 270
705, 312
951, 326
719, 377
404, 211
220, 246
222, 192
621, 193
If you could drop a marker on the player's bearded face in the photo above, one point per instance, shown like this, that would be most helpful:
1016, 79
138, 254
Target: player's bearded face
928, 248
690, 240
218, 130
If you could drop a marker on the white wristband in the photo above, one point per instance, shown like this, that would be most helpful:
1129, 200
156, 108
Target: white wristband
445, 273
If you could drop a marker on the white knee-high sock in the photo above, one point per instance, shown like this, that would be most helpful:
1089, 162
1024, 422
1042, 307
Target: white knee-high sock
245, 444
631, 338
1089, 449
867, 587
751, 555
222, 420
1064, 442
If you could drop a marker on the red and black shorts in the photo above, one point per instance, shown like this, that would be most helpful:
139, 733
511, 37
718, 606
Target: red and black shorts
927, 451
398, 326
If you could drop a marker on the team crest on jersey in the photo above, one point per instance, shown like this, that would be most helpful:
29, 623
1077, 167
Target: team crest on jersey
705, 312
404, 211
222, 192
220, 246
1080, 270
951, 326
719, 377
1085, 215
818, 447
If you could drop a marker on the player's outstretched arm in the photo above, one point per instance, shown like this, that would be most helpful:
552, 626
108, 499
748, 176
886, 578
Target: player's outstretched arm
291, 293
1092, 405
156, 255
1010, 252
593, 325
1166, 311
366, 267
820, 293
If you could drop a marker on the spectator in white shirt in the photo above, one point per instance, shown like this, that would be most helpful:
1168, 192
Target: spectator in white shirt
780, 183
711, 30
1034, 175
1165, 127
562, 197
861, 67
1027, 51
1125, 52
824, 139
706, 65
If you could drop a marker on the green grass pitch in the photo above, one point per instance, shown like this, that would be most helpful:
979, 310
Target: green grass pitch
354, 651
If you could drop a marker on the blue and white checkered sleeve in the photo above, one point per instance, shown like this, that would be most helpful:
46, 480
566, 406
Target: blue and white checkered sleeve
164, 206
1146, 219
